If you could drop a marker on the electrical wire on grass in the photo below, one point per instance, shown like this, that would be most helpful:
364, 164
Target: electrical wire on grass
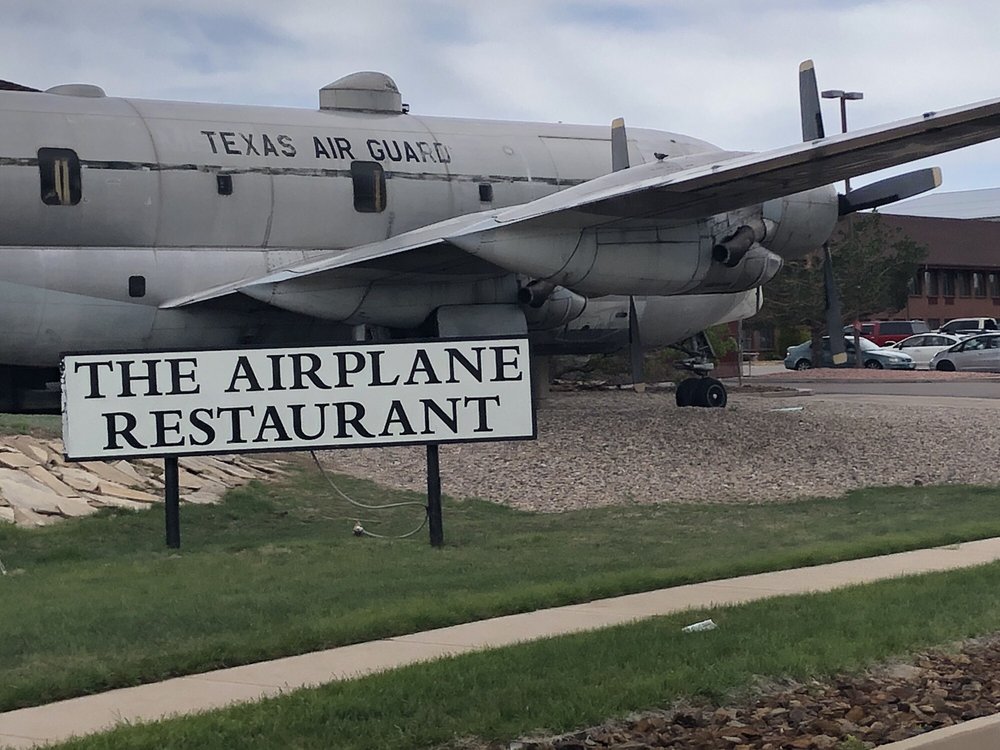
359, 530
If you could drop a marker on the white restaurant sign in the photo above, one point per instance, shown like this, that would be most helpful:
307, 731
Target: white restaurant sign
200, 402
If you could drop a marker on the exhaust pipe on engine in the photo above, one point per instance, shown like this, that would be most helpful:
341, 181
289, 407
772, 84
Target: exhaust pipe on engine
535, 293
730, 252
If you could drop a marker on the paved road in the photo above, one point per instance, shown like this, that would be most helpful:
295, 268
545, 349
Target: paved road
989, 387
966, 389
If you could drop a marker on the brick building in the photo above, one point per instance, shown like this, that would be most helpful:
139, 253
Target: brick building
959, 277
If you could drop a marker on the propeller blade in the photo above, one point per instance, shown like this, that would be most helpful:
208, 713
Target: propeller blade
635, 353
619, 145
834, 322
890, 190
812, 116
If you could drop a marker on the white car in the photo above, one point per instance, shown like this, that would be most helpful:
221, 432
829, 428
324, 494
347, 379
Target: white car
924, 346
980, 353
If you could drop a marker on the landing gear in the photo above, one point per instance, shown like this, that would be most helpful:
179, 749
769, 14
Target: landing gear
707, 392
702, 390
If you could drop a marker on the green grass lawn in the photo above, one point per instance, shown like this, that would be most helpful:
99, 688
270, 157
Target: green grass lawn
101, 603
43, 425
577, 681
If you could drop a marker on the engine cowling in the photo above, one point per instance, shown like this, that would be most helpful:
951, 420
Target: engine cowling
800, 223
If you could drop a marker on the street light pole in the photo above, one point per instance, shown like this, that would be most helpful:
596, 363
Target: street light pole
844, 96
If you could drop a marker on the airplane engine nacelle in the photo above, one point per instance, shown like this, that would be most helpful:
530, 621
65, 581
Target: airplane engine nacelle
800, 223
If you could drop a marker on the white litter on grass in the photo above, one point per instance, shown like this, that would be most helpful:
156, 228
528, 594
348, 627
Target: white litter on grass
700, 626
789, 408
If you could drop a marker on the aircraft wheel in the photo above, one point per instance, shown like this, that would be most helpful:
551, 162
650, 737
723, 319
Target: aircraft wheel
711, 393
686, 391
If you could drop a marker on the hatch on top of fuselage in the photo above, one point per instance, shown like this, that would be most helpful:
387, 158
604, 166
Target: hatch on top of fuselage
367, 91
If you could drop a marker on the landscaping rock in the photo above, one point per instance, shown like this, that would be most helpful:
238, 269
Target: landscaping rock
941, 688
117, 490
38, 487
79, 479
16, 460
50, 480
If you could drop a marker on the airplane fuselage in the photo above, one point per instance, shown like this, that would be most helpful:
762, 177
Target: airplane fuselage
110, 207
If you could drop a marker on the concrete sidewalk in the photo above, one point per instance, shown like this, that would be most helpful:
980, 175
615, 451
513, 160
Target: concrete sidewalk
58, 721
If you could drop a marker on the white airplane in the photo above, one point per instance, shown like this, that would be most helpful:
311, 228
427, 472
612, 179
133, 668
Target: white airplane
133, 224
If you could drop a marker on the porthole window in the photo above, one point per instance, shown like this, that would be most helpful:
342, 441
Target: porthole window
59, 170
136, 286
369, 187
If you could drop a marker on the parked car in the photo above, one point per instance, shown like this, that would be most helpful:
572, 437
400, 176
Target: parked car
975, 353
874, 357
924, 346
970, 326
885, 332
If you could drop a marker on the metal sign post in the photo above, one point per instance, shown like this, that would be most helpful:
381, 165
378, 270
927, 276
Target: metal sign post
434, 522
172, 502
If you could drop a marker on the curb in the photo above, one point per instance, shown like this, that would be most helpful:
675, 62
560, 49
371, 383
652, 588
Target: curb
975, 734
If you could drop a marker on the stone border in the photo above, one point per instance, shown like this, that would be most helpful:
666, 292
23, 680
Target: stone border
39, 487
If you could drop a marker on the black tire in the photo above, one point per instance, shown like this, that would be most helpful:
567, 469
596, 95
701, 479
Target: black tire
711, 393
803, 364
686, 390
873, 364
945, 365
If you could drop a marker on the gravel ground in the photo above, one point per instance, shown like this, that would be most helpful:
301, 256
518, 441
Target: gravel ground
611, 447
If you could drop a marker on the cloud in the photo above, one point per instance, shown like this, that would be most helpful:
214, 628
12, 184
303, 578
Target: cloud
718, 70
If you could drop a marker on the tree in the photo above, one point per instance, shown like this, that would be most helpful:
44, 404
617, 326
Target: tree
872, 265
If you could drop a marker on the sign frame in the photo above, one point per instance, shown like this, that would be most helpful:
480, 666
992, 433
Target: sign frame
525, 380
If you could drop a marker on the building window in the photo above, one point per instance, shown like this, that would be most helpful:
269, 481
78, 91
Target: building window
964, 283
994, 285
979, 284
948, 283
369, 187
59, 170
917, 283
931, 279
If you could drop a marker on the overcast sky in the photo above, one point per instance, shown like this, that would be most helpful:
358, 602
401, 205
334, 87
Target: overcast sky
724, 71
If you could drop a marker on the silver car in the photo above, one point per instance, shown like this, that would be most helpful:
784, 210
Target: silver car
979, 353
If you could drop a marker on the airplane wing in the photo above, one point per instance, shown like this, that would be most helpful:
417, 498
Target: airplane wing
667, 191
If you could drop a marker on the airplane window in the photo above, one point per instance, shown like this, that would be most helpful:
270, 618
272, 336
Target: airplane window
224, 183
136, 286
369, 187
59, 169
486, 193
